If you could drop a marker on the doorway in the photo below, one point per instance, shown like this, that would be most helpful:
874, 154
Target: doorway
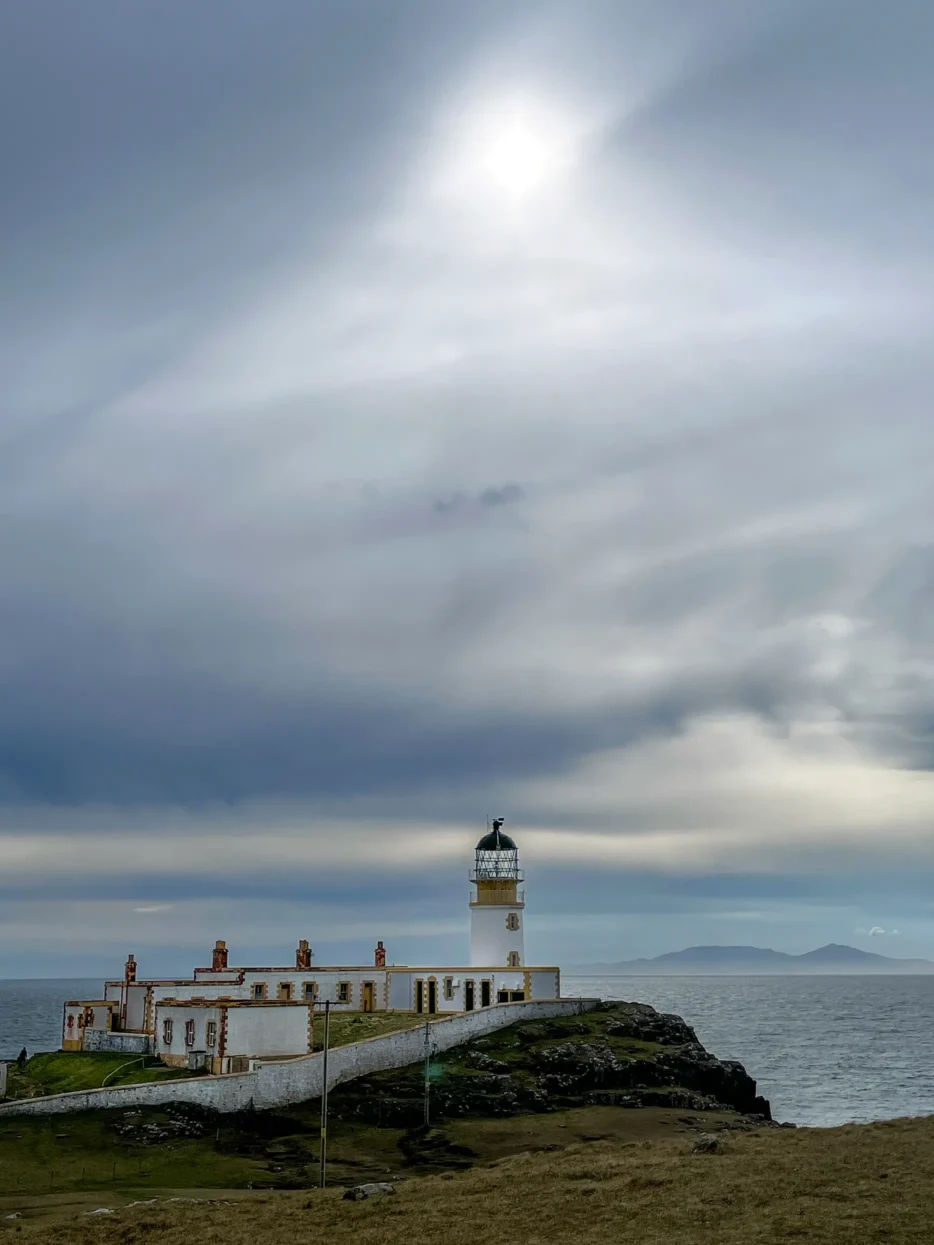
419, 996
369, 996
432, 996
485, 994
468, 996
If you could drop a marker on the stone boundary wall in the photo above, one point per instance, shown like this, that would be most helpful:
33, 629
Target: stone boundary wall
297, 1080
118, 1043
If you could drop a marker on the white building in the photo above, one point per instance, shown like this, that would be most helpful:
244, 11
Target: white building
223, 1016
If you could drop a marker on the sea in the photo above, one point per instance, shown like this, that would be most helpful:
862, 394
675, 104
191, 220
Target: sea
824, 1050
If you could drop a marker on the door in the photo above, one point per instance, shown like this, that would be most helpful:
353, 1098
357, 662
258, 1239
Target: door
468, 996
369, 996
485, 996
419, 996
432, 996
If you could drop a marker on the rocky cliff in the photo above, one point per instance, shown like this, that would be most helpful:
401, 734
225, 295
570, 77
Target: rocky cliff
623, 1054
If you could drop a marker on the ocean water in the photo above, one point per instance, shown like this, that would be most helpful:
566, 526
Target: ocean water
825, 1050
31, 1013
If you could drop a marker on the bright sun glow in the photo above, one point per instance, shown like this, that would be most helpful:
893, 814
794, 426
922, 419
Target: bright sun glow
507, 149
520, 156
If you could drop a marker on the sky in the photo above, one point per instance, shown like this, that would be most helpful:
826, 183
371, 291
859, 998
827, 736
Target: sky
419, 412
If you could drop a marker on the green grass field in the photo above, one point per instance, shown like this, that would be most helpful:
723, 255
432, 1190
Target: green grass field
63, 1072
347, 1027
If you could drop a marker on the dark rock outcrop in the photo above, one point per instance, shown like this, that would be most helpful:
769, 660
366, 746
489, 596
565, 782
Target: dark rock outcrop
623, 1054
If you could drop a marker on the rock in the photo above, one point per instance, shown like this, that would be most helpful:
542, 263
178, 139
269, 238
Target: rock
644, 1023
707, 1143
484, 1063
361, 1192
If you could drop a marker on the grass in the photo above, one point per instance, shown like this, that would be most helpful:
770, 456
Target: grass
63, 1072
347, 1027
858, 1184
82, 1152
88, 1151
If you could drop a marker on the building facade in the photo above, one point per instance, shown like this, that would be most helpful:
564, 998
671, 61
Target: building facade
223, 1016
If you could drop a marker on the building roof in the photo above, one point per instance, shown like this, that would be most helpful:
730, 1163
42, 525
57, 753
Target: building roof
496, 841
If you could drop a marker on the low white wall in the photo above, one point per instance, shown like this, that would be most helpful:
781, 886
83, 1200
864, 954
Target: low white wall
296, 1080
118, 1043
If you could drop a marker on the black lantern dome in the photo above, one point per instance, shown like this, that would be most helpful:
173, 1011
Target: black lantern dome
497, 857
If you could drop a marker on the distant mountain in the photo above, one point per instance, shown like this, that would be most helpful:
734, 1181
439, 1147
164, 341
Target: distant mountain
834, 958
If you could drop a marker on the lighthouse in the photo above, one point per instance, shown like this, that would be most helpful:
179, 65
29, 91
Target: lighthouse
497, 904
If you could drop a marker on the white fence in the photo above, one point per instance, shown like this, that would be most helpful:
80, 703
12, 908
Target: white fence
296, 1080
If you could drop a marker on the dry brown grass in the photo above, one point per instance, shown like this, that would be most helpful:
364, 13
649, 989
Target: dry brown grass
868, 1183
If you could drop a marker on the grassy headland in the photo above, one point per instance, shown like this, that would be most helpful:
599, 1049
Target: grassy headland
622, 1073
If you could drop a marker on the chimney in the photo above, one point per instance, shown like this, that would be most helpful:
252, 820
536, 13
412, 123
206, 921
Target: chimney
129, 970
380, 955
219, 962
303, 956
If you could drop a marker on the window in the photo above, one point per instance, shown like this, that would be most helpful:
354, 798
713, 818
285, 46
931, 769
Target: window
512, 921
449, 988
259, 991
285, 991
310, 991
502, 996
167, 1032
512, 959
343, 992
210, 1034
189, 1033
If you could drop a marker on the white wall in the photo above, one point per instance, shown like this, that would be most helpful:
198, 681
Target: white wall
327, 981
545, 983
401, 991
135, 1007
296, 1080
491, 940
259, 1030
180, 1015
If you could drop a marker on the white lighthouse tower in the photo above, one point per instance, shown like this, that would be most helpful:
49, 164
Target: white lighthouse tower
497, 904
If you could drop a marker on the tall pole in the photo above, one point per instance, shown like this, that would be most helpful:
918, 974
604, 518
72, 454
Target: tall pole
324, 1095
427, 1072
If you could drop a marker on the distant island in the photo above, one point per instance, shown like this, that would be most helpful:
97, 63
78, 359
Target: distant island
832, 959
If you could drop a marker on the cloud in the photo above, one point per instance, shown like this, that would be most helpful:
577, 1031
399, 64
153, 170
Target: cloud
353, 498
155, 907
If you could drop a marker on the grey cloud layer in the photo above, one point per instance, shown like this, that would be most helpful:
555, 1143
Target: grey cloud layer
317, 484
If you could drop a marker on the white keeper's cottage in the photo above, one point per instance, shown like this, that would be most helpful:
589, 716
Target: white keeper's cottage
222, 1017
